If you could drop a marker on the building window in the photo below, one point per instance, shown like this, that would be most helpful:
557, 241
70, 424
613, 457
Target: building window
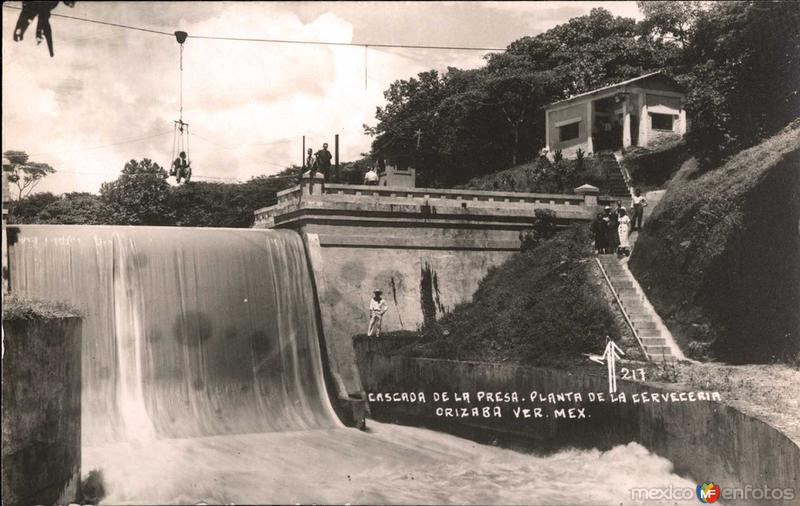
661, 121
568, 132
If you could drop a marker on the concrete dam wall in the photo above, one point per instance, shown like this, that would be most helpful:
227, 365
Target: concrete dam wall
186, 332
427, 249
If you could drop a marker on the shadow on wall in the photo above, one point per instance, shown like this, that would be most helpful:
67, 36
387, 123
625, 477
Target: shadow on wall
429, 295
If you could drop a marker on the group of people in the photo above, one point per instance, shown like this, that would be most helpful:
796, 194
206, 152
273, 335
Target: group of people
612, 228
319, 161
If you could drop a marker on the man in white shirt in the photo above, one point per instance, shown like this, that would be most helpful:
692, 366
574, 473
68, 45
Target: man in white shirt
371, 177
377, 307
639, 203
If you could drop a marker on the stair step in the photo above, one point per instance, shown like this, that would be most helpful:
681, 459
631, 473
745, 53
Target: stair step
622, 284
649, 333
642, 325
658, 350
654, 341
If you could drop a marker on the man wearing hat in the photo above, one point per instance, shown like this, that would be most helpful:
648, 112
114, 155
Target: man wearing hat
377, 307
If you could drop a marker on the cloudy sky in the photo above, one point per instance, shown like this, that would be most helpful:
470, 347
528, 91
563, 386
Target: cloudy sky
111, 94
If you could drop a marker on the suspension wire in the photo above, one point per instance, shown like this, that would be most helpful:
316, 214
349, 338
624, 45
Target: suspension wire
181, 84
365, 66
273, 41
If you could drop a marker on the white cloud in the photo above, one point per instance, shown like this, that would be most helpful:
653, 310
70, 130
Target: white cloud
248, 103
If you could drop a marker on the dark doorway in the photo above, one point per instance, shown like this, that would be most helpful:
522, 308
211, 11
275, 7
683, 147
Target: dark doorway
607, 125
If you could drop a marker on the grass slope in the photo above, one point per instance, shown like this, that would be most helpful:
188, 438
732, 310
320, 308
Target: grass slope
541, 307
720, 256
543, 177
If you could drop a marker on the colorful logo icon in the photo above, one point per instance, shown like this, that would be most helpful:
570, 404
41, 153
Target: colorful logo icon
707, 492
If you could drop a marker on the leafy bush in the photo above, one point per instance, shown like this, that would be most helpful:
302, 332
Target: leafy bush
543, 176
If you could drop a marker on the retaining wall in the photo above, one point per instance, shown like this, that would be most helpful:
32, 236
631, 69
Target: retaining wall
706, 440
41, 411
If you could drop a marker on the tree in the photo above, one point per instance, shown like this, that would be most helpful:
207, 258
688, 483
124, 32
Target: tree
24, 174
140, 196
27, 209
670, 20
744, 61
76, 208
473, 122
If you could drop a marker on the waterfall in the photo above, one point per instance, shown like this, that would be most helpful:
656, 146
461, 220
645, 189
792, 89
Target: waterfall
187, 332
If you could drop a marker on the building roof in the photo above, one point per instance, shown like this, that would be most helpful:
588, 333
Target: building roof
618, 85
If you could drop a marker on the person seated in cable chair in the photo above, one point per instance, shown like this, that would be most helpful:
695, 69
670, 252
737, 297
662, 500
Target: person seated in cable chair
181, 168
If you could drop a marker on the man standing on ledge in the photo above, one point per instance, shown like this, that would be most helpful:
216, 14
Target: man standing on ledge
377, 307
324, 161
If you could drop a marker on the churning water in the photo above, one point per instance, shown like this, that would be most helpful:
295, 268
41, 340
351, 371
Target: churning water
202, 381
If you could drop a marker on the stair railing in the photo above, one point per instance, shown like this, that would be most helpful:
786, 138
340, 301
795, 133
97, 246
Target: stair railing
622, 308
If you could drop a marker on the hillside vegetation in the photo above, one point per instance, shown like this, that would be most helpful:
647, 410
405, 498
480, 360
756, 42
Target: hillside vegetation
543, 176
737, 60
545, 306
720, 256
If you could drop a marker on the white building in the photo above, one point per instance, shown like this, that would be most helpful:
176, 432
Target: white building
643, 111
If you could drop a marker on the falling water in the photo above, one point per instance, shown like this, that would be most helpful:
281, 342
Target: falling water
187, 332
202, 378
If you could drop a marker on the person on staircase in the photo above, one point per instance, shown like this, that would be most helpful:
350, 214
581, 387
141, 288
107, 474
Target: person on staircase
623, 232
612, 241
600, 232
638, 203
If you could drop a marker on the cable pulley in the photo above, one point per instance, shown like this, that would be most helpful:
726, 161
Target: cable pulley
181, 167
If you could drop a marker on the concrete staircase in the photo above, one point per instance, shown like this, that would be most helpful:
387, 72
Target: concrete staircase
653, 336
615, 180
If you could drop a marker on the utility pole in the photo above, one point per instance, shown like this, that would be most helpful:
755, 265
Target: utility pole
303, 155
336, 155
418, 133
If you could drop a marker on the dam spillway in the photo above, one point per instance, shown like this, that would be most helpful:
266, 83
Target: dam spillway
203, 381
187, 332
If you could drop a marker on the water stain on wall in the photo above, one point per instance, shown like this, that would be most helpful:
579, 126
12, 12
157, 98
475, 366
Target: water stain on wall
430, 299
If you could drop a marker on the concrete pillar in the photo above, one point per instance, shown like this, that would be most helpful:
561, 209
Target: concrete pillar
6, 205
589, 126
589, 193
626, 125
644, 119
312, 187
682, 122
547, 130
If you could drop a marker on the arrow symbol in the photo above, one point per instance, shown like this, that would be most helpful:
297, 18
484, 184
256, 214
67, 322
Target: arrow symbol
610, 355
